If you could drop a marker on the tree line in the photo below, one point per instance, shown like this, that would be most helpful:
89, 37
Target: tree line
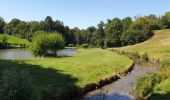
115, 32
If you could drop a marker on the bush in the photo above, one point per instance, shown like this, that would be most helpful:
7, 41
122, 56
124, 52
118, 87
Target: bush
146, 84
17, 86
4, 40
145, 56
44, 42
71, 45
85, 46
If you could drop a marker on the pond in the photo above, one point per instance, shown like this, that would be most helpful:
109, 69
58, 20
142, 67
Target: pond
26, 53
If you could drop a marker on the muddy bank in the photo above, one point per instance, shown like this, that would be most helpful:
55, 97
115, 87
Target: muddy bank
119, 90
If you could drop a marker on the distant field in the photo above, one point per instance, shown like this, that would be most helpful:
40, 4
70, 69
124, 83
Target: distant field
14, 40
60, 74
157, 47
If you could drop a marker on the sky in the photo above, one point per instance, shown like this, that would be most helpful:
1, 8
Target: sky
80, 13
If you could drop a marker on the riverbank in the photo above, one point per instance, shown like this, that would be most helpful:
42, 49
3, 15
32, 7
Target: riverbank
119, 90
69, 76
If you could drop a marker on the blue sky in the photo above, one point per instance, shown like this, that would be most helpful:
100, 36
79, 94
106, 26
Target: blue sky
80, 13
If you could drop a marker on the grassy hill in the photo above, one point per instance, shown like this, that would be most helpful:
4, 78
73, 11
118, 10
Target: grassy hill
14, 40
157, 47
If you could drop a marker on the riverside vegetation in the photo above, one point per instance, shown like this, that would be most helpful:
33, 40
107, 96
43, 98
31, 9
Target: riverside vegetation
63, 78
156, 50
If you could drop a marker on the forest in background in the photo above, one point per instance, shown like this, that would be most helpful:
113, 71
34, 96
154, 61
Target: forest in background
115, 32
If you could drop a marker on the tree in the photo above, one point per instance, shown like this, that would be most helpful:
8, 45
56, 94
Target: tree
127, 21
100, 35
2, 24
113, 31
165, 20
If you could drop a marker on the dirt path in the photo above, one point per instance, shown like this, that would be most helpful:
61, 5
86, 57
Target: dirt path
119, 89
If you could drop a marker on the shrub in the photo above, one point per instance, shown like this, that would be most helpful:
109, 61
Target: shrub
85, 46
44, 42
145, 56
146, 84
4, 40
20, 45
71, 45
17, 86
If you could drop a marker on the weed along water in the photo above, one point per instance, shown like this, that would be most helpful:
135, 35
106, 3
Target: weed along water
26, 53
120, 89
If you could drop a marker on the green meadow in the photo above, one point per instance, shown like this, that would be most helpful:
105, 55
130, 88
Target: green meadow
61, 74
13, 40
157, 47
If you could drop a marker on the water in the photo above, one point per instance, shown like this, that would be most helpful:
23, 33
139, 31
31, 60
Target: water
26, 53
15, 53
119, 90
66, 52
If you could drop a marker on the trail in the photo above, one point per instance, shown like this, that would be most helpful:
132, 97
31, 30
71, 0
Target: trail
119, 90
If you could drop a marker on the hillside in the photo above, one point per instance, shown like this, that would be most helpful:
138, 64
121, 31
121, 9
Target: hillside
157, 47
14, 40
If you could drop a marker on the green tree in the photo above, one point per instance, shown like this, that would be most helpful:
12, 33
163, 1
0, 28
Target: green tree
113, 31
100, 35
127, 21
165, 20
2, 24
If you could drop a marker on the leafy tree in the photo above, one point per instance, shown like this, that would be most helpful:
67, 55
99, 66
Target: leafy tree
165, 20
113, 32
127, 21
100, 35
2, 24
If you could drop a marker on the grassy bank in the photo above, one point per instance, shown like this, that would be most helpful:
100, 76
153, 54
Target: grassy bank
157, 47
14, 41
56, 76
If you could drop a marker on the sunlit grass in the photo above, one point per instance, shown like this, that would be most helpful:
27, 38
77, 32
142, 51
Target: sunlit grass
157, 47
14, 40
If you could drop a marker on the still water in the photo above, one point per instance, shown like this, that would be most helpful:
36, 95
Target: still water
26, 53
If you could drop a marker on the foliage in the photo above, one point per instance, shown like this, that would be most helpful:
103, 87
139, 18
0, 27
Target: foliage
2, 24
145, 56
17, 86
145, 84
4, 40
165, 20
114, 33
85, 46
44, 42
70, 45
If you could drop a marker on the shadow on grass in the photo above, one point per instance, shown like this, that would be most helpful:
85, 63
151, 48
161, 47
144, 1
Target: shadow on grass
53, 84
159, 96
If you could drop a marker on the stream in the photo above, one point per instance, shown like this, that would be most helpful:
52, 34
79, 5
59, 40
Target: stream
119, 90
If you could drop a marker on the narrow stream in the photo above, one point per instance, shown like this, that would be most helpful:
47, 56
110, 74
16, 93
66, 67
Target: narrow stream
119, 90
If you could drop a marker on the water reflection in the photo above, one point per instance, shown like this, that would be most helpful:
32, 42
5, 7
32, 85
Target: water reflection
26, 53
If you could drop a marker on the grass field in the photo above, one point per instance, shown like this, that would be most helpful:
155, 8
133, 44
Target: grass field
157, 47
60, 74
14, 40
